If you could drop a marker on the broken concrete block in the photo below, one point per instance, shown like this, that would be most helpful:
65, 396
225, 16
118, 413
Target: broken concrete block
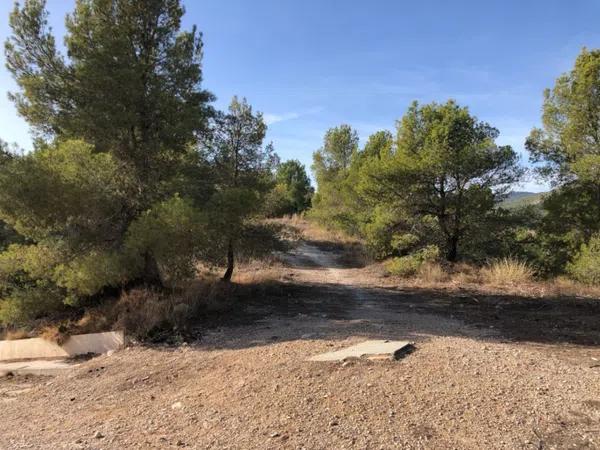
388, 349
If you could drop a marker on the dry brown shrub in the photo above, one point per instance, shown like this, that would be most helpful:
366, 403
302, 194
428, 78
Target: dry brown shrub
141, 310
138, 311
54, 333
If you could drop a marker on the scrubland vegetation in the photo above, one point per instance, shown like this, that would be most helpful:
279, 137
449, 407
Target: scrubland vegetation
433, 192
135, 180
138, 192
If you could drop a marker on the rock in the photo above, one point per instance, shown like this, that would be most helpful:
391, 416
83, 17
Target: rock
177, 405
98, 435
110, 353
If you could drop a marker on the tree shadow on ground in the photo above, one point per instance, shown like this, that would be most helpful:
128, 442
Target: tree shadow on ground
334, 311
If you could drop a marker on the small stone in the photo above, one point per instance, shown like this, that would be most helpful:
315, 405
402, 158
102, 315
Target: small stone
177, 405
98, 435
274, 435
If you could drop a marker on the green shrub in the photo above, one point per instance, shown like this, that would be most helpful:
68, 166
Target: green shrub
585, 267
32, 302
174, 233
407, 266
277, 202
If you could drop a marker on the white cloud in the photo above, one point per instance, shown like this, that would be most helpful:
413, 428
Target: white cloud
270, 119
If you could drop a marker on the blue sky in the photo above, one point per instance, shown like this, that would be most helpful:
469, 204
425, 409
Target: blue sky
309, 65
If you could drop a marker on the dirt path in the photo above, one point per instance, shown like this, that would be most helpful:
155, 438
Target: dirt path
467, 386
357, 299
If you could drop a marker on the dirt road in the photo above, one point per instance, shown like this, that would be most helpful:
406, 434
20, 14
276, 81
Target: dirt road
478, 379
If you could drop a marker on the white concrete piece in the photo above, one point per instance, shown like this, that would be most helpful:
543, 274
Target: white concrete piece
393, 349
36, 367
81, 344
30, 349
38, 348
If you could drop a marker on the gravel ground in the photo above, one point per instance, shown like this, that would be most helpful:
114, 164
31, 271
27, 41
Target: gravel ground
467, 386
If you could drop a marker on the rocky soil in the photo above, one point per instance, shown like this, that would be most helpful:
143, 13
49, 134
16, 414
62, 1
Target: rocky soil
477, 380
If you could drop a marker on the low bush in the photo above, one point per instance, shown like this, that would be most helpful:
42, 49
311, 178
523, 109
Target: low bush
408, 266
585, 267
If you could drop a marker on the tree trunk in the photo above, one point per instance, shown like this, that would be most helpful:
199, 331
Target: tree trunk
230, 262
452, 249
151, 274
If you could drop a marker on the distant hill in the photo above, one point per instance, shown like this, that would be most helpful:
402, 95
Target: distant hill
522, 198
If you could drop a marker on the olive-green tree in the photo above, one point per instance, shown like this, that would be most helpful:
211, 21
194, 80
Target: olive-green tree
130, 85
566, 150
113, 192
243, 171
445, 174
331, 166
292, 191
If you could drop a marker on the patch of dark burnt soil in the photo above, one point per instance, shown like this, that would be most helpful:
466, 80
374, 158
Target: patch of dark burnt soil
547, 320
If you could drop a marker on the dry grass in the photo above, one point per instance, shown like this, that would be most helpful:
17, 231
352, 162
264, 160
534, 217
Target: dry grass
494, 279
432, 272
14, 334
507, 271
254, 277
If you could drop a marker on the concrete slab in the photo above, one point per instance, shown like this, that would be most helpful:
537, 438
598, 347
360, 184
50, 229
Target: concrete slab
99, 343
50, 368
391, 349
81, 344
